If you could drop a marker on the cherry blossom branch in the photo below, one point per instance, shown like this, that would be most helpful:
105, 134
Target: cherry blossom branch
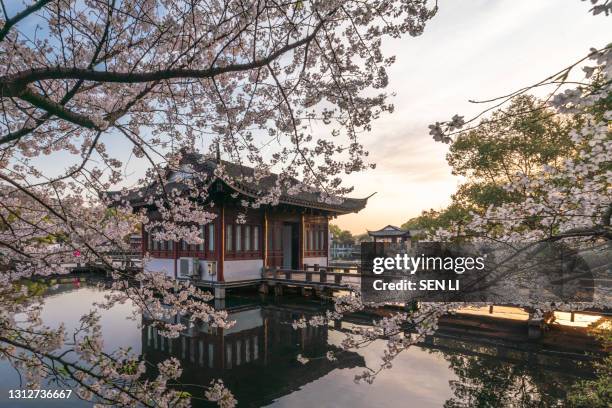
8, 24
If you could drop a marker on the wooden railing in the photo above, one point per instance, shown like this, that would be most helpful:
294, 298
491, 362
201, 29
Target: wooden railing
317, 275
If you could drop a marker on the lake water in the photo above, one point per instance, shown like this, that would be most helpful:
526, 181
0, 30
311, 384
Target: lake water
460, 366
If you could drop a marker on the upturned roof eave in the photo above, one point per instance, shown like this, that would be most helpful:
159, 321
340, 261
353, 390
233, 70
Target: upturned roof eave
139, 202
302, 203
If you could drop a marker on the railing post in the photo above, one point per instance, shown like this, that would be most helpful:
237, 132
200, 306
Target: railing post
322, 274
337, 278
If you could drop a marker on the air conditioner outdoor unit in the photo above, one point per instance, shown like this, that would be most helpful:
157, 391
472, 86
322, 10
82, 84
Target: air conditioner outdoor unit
189, 267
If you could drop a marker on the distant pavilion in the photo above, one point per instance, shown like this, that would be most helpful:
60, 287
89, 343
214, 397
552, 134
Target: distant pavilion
390, 233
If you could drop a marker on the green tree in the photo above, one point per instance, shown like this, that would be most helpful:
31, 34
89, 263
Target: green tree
363, 237
522, 138
430, 220
341, 236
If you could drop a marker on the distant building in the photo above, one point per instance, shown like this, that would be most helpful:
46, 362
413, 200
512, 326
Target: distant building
390, 233
342, 250
395, 235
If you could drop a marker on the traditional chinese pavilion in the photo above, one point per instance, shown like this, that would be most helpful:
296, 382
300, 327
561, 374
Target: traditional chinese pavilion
390, 233
290, 234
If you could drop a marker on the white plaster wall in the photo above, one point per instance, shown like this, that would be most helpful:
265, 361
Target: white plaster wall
321, 261
160, 265
242, 269
204, 272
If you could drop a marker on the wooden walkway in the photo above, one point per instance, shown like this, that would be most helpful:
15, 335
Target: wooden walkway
335, 277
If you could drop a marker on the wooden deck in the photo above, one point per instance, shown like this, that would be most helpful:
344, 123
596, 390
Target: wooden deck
329, 277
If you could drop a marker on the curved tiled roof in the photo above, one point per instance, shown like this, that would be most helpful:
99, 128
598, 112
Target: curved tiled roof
233, 177
389, 231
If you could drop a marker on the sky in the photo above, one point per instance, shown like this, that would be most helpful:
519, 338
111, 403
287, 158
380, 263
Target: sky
472, 49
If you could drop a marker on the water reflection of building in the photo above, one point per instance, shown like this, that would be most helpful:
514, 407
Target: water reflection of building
491, 357
256, 358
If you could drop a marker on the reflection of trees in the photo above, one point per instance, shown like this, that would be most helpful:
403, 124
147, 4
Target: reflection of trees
494, 364
597, 392
485, 381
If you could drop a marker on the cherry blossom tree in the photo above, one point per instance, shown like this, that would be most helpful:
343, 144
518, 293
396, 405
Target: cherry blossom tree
567, 201
289, 86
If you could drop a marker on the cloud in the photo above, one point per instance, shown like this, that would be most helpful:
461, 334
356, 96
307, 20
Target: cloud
471, 50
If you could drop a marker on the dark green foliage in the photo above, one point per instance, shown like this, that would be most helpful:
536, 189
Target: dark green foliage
341, 236
522, 138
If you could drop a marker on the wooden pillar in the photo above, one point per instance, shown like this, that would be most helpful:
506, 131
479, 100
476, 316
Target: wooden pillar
301, 242
264, 240
326, 244
221, 246
175, 255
